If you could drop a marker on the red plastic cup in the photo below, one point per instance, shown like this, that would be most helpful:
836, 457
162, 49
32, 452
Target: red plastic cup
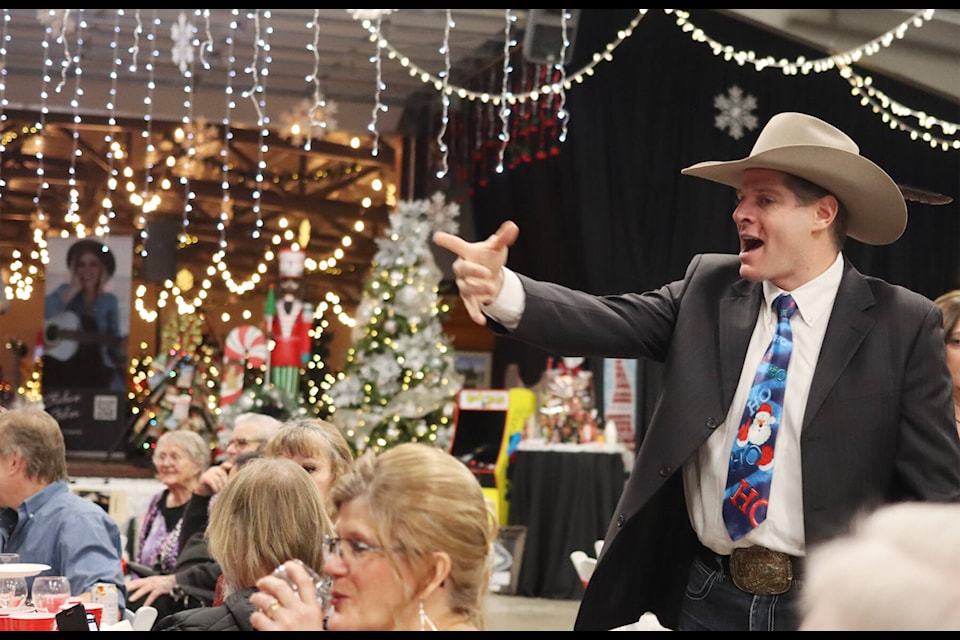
6, 612
33, 621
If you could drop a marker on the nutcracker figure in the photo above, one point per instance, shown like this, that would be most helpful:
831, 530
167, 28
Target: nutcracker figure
289, 321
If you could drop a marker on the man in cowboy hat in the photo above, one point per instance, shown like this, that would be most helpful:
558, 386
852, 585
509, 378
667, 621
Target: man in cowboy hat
866, 417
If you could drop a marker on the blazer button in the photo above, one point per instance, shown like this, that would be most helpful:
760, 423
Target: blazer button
712, 423
620, 520
664, 472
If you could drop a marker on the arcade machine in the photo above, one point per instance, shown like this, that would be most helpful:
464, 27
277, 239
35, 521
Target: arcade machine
488, 425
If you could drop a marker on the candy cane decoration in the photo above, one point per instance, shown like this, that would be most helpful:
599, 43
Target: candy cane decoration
245, 346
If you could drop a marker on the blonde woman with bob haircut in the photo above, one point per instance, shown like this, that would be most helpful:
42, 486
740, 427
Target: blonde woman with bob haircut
413, 551
271, 511
318, 447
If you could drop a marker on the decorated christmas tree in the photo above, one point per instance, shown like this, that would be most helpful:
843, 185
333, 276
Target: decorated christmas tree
399, 383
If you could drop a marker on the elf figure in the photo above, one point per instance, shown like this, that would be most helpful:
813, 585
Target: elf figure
289, 321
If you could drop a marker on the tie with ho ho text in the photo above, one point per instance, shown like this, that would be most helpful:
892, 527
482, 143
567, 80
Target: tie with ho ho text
751, 458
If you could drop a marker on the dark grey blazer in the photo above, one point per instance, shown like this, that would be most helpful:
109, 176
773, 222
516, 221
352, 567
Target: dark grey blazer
878, 425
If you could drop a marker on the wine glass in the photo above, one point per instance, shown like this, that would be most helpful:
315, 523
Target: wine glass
13, 592
50, 593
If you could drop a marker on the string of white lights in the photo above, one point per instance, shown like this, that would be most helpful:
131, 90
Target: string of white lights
114, 149
257, 94
146, 201
319, 102
62, 39
534, 94
226, 199
890, 111
798, 65
207, 45
445, 96
562, 114
72, 215
506, 98
4, 39
39, 229
189, 130
220, 265
378, 106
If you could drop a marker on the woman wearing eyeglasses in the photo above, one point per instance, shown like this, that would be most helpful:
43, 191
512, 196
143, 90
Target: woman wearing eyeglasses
413, 551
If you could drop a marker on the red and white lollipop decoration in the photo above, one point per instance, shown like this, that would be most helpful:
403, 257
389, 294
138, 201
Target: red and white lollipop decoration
246, 345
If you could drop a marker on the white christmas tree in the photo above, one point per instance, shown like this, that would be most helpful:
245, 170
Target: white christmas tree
399, 382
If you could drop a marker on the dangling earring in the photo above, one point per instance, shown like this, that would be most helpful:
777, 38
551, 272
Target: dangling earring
426, 624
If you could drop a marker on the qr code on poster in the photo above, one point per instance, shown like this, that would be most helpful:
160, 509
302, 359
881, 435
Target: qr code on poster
105, 408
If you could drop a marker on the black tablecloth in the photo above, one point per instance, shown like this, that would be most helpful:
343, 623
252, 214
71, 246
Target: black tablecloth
565, 500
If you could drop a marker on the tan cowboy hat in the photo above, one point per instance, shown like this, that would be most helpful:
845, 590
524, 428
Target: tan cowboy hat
810, 148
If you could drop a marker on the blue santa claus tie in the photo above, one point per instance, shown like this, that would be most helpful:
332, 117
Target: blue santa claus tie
752, 457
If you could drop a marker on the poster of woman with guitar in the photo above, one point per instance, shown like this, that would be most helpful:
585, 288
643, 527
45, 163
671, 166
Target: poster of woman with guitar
85, 333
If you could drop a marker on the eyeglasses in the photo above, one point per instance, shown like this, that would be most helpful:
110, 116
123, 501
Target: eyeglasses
172, 458
350, 552
242, 442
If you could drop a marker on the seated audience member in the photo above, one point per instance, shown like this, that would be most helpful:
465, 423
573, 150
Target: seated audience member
41, 518
949, 304
317, 446
179, 457
250, 434
413, 550
269, 512
896, 571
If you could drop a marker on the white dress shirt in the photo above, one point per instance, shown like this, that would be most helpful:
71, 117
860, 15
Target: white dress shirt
705, 475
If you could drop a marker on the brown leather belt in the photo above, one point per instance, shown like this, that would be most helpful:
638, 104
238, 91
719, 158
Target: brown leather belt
757, 570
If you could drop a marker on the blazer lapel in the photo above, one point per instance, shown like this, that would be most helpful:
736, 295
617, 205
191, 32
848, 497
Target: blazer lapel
848, 325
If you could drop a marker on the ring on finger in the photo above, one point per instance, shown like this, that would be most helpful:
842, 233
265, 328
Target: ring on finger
272, 609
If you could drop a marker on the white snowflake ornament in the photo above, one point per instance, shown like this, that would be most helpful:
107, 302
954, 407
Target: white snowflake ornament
181, 32
735, 112
369, 14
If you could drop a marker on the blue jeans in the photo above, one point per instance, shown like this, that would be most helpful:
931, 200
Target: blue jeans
713, 603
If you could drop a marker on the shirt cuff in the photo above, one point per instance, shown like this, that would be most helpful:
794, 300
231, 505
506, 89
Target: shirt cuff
507, 308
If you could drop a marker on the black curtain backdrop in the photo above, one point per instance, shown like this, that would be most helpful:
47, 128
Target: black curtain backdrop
612, 213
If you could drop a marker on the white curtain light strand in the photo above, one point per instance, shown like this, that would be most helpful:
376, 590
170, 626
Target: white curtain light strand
534, 94
258, 95
318, 100
730, 54
113, 146
72, 215
63, 40
562, 114
377, 60
506, 97
445, 97
40, 131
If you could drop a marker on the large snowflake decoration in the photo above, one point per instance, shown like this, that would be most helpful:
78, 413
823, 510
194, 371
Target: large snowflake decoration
369, 14
735, 112
58, 20
309, 118
181, 32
